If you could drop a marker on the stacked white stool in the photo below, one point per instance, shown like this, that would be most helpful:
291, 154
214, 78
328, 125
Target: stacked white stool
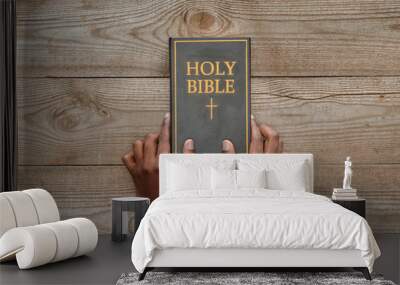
31, 230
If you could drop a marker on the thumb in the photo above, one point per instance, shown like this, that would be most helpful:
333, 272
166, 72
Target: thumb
188, 146
228, 147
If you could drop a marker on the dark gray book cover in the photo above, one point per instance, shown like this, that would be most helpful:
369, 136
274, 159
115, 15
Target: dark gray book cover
210, 93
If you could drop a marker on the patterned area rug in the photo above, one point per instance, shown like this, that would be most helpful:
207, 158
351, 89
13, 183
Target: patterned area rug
269, 278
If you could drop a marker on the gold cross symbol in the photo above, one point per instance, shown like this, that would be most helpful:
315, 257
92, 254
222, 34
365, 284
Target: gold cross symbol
211, 107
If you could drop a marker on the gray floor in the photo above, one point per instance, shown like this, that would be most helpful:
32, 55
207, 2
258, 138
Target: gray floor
389, 262
110, 260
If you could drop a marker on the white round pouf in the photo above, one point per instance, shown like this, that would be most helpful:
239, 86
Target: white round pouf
31, 232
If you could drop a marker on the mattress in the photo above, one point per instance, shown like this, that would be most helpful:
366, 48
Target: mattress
250, 219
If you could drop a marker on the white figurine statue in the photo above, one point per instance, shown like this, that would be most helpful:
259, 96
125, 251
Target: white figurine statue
347, 173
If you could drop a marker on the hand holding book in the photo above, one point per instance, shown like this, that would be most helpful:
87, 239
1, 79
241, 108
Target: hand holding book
264, 139
142, 160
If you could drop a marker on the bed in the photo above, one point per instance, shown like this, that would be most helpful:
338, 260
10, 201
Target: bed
247, 210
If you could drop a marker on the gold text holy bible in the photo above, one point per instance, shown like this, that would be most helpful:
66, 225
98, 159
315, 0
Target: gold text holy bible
210, 93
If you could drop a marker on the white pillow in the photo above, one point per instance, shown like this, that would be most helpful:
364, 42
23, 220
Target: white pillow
290, 179
251, 178
223, 179
181, 177
281, 175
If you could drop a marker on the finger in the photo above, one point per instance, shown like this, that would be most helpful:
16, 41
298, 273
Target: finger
138, 151
150, 151
256, 142
188, 146
129, 160
163, 141
271, 144
228, 147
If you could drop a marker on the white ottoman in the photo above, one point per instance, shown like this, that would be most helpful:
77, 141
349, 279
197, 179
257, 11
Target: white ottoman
31, 232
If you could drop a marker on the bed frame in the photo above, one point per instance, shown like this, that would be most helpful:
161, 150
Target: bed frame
242, 259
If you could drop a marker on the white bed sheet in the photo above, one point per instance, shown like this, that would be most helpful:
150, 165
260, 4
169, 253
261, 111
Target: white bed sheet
251, 218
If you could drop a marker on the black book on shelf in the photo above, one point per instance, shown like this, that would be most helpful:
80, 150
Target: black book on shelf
210, 93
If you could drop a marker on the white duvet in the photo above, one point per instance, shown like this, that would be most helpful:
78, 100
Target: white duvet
252, 218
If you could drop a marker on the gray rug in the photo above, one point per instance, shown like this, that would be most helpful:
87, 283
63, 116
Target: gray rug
269, 278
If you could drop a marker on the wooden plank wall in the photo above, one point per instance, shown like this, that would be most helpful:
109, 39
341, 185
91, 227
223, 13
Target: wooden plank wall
93, 77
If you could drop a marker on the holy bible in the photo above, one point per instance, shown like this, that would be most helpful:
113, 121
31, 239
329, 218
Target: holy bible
210, 93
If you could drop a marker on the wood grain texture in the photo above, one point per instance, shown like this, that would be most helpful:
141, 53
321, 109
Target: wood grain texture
130, 38
328, 79
94, 121
83, 191
379, 184
87, 190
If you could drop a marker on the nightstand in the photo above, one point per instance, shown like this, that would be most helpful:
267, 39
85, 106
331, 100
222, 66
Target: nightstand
120, 208
356, 205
